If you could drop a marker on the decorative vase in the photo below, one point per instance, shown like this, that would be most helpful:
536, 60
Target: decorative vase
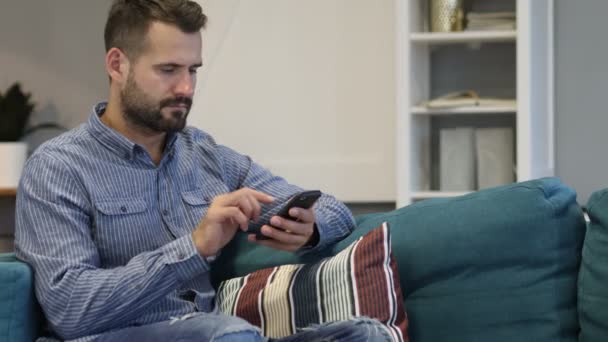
447, 15
13, 156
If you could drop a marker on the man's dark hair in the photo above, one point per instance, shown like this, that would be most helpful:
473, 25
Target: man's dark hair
129, 20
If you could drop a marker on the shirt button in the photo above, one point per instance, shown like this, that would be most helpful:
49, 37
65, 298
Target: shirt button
165, 212
181, 256
123, 209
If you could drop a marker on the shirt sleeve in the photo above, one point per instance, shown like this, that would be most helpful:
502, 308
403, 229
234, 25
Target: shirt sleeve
334, 220
54, 235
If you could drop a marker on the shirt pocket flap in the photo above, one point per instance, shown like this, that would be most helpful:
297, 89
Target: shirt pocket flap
196, 197
122, 206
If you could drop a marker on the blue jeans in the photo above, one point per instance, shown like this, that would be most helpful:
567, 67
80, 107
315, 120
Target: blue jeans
217, 327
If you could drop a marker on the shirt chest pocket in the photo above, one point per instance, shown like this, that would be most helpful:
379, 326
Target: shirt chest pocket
122, 207
125, 225
198, 200
196, 204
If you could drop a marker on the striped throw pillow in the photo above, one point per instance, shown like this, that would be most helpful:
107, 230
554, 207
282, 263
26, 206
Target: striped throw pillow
361, 280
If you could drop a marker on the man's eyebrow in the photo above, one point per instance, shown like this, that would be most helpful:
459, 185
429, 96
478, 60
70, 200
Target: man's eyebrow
173, 65
176, 65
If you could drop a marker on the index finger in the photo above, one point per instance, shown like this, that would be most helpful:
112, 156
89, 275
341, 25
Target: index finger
235, 197
260, 196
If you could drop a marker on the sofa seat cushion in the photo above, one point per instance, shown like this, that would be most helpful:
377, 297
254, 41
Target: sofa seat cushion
593, 276
499, 264
19, 315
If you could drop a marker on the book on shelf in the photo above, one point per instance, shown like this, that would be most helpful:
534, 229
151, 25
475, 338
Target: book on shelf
491, 15
491, 21
494, 26
467, 99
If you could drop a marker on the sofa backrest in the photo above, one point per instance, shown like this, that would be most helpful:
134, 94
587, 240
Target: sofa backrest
496, 265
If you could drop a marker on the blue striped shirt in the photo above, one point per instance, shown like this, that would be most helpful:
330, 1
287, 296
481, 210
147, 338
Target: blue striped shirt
108, 232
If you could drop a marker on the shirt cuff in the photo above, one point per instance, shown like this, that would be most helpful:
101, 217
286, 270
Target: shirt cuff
182, 256
321, 226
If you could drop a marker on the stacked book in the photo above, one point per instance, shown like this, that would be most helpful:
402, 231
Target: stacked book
467, 98
490, 21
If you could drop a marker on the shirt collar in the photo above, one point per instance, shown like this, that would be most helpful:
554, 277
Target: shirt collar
114, 140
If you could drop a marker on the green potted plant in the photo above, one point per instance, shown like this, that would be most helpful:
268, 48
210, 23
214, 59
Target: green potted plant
15, 111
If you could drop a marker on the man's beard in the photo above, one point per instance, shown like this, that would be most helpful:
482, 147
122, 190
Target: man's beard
141, 110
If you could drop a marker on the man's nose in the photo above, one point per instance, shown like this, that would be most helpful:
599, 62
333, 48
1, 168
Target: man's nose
185, 85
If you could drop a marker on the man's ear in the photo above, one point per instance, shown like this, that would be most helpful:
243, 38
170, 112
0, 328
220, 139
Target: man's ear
117, 65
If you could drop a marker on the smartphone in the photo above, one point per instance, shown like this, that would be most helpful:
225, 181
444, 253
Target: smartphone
304, 200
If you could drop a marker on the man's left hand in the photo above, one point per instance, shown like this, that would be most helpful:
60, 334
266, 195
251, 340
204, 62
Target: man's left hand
288, 234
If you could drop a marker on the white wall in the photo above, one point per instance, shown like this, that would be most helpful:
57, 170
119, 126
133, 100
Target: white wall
306, 88
55, 49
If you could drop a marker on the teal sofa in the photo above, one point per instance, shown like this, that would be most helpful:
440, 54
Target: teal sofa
500, 264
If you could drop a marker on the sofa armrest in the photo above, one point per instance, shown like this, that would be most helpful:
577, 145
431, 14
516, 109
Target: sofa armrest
19, 312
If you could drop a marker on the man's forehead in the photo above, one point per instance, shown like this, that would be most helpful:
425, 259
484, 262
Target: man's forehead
168, 41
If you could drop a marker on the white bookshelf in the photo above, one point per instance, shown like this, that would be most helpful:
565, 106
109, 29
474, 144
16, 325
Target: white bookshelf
437, 38
420, 110
419, 58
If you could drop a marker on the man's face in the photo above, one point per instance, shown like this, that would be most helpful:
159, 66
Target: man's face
159, 89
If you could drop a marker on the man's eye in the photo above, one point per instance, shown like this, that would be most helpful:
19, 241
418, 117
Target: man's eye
193, 71
167, 70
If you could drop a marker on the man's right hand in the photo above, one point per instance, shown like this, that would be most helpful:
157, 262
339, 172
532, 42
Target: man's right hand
225, 215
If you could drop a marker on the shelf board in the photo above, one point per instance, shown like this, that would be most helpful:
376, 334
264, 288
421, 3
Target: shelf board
419, 110
463, 37
422, 195
8, 191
